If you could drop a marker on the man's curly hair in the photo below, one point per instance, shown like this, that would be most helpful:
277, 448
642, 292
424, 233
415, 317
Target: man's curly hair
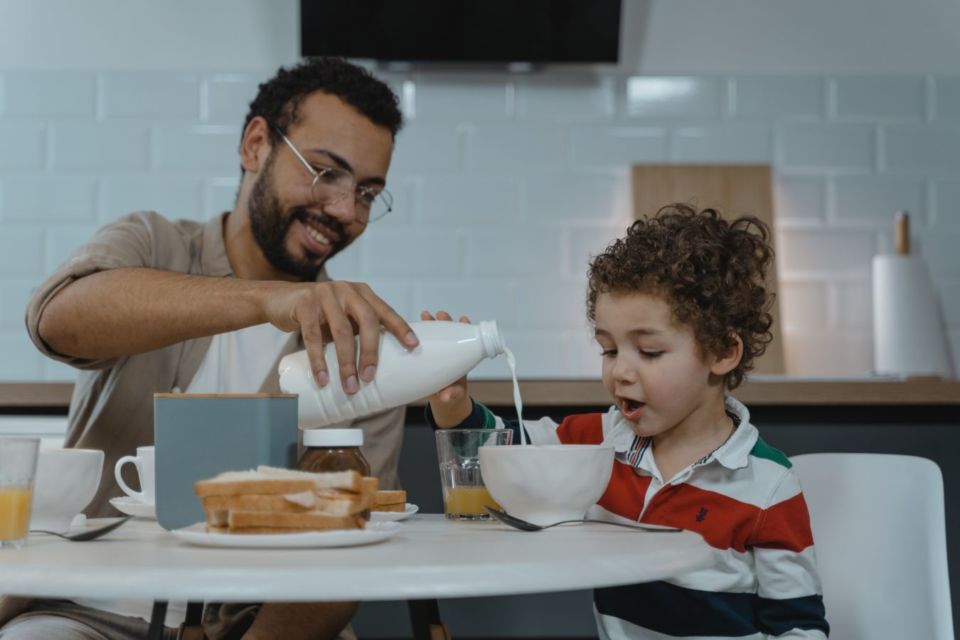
710, 271
279, 98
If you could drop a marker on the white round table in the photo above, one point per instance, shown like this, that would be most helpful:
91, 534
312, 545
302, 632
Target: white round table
429, 558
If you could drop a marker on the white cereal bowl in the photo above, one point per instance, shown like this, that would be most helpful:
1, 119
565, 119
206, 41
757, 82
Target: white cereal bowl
66, 481
547, 483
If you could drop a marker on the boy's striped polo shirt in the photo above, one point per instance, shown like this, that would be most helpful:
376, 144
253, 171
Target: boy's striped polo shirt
746, 502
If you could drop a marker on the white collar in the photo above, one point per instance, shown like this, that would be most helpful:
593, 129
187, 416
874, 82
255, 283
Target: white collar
732, 454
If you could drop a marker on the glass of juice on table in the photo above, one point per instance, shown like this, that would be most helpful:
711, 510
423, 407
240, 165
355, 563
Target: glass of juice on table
18, 466
458, 452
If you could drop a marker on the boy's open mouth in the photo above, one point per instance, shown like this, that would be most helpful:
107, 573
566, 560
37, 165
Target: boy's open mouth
631, 409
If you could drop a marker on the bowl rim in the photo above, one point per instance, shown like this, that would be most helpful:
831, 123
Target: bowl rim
553, 447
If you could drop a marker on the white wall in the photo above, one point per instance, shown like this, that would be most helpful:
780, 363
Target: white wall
504, 183
810, 36
660, 36
185, 35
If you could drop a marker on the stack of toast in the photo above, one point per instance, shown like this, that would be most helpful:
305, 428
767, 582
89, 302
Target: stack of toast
390, 501
274, 500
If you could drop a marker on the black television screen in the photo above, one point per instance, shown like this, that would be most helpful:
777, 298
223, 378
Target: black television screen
462, 31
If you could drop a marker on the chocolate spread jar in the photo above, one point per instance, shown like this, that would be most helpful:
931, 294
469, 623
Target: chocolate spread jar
333, 450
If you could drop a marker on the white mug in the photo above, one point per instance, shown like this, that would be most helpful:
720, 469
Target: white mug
146, 470
66, 481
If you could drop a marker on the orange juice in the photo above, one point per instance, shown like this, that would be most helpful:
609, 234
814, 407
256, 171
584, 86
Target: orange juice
14, 512
467, 501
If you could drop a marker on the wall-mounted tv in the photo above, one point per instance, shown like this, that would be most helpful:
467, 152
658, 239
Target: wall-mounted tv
463, 31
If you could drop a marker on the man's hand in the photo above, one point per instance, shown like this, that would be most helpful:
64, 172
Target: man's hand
451, 405
337, 310
119, 312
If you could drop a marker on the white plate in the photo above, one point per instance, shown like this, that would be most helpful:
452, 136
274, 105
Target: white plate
135, 508
390, 516
196, 534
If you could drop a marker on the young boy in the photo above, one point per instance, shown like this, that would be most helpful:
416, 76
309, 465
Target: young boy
680, 312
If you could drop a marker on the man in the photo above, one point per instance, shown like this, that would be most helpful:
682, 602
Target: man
153, 305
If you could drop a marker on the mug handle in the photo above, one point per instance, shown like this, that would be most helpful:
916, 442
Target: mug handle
139, 495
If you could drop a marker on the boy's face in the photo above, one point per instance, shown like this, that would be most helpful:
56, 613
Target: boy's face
654, 368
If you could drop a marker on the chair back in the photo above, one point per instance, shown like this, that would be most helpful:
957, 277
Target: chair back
880, 535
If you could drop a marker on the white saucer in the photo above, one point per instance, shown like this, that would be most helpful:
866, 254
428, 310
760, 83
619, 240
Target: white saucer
197, 534
390, 516
133, 507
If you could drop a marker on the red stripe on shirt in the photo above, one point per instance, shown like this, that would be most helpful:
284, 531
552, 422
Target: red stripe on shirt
625, 493
723, 522
586, 428
785, 525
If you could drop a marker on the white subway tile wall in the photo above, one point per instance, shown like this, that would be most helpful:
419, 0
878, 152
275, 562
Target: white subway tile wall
946, 103
505, 185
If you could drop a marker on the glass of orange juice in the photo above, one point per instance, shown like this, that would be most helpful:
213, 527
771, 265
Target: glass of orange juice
458, 452
18, 465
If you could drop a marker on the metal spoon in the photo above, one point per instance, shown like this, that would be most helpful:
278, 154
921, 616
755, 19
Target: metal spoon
88, 534
523, 525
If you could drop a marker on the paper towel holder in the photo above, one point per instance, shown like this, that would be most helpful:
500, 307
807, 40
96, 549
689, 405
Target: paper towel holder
909, 333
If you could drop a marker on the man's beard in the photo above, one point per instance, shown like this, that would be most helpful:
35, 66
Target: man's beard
270, 227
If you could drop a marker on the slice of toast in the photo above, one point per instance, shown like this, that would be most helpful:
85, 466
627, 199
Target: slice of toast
247, 482
370, 485
218, 519
341, 504
399, 506
385, 497
346, 480
241, 520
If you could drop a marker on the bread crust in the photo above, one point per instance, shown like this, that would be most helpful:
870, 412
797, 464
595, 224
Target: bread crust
397, 507
340, 504
240, 520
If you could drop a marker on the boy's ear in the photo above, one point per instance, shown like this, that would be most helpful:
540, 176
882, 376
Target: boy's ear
727, 362
255, 144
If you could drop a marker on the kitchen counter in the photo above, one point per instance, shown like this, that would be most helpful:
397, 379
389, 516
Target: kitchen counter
54, 397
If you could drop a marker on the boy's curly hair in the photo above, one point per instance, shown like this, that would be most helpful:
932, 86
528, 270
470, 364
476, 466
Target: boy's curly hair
711, 272
278, 99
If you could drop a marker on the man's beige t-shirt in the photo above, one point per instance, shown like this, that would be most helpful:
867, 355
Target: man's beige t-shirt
112, 404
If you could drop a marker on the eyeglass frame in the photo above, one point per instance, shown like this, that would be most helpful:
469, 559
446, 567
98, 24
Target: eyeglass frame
385, 196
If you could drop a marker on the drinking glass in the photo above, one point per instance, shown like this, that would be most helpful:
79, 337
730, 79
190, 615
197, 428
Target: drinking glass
18, 467
464, 493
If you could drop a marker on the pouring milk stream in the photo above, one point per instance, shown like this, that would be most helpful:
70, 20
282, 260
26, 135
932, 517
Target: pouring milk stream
447, 351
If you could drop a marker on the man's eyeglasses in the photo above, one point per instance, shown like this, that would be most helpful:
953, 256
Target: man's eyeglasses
331, 185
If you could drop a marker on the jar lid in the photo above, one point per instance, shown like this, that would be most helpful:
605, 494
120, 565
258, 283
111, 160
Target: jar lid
321, 437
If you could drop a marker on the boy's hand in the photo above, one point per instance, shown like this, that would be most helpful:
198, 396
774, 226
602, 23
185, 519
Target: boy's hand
451, 405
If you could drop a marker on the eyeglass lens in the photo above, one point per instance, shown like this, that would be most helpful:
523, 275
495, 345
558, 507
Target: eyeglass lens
333, 186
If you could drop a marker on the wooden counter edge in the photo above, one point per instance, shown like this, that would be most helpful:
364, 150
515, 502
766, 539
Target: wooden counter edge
785, 392
572, 393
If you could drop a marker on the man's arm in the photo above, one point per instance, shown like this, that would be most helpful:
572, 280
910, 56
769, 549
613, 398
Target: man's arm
125, 311
132, 310
296, 620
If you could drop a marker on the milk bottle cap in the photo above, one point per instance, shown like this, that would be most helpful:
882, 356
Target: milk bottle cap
323, 437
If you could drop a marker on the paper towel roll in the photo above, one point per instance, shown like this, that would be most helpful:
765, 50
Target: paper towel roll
908, 330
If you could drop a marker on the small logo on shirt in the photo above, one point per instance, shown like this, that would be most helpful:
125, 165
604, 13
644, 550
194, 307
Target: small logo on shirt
702, 514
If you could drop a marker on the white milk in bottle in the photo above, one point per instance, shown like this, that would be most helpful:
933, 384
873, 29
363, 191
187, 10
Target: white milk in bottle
447, 351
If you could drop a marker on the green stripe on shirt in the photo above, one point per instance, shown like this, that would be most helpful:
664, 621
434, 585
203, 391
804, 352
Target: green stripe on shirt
762, 450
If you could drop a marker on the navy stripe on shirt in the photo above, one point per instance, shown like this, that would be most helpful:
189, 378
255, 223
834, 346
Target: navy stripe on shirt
776, 617
678, 611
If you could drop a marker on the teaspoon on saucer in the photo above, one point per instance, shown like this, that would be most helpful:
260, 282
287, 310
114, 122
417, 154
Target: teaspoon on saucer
87, 534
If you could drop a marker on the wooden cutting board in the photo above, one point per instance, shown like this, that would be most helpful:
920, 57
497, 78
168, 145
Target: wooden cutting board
733, 190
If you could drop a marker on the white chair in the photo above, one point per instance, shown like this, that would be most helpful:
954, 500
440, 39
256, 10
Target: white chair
879, 530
